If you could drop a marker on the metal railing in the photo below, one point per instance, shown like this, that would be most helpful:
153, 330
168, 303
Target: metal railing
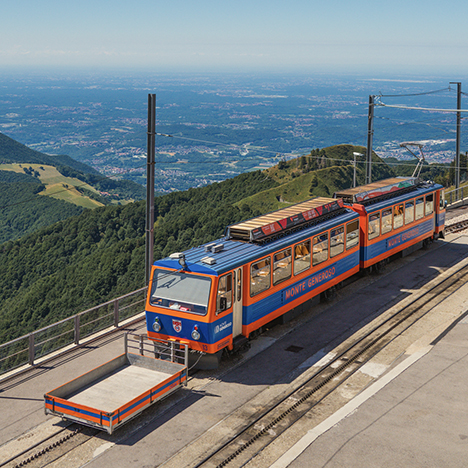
454, 195
72, 330
159, 349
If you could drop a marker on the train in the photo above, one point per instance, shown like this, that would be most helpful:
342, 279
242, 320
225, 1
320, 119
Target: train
214, 297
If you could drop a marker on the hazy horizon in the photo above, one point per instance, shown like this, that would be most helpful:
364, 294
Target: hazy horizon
299, 36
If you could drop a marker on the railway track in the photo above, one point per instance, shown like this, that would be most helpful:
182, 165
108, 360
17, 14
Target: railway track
457, 227
267, 425
51, 448
263, 429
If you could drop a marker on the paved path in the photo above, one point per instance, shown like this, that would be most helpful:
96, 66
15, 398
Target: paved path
419, 419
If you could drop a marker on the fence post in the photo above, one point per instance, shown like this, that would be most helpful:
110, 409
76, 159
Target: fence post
77, 329
116, 313
31, 349
141, 345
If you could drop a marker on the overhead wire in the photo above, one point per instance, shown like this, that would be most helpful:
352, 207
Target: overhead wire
416, 94
430, 109
258, 149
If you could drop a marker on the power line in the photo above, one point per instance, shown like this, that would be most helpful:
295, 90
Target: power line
416, 94
432, 109
227, 145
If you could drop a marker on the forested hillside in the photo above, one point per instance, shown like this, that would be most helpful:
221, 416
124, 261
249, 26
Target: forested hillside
12, 151
22, 211
96, 256
99, 255
30, 198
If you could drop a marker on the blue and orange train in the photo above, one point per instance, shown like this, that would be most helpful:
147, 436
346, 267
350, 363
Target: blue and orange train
215, 296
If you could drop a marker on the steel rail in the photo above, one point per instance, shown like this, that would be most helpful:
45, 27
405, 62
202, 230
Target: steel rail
32, 447
456, 227
371, 342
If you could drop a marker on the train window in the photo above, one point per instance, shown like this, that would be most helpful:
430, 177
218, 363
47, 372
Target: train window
374, 225
281, 266
260, 273
320, 249
224, 299
397, 216
409, 212
301, 257
352, 234
442, 198
180, 291
336, 241
429, 204
386, 220
419, 208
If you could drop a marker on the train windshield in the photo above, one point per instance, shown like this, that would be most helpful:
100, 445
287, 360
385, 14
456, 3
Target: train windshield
180, 291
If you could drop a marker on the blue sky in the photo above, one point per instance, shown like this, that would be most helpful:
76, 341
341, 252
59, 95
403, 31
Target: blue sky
252, 35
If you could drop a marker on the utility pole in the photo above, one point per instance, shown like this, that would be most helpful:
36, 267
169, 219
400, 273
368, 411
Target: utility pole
354, 164
354, 173
151, 143
370, 133
457, 151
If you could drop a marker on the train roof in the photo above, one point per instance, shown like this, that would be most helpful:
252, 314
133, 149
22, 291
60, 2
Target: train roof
419, 190
218, 257
377, 190
285, 219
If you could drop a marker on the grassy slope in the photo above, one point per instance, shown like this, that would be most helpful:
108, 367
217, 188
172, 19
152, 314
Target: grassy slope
297, 185
57, 185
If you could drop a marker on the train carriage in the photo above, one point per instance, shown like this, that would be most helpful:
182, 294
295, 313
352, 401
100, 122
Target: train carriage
211, 296
214, 296
396, 214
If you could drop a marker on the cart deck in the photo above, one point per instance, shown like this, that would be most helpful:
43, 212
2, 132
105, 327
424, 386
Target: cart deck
111, 394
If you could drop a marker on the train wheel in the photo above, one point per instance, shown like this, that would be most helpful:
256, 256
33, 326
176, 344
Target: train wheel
329, 294
379, 267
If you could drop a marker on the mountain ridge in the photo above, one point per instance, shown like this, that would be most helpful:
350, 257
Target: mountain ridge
37, 189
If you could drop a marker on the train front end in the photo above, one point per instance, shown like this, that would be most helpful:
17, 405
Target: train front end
181, 306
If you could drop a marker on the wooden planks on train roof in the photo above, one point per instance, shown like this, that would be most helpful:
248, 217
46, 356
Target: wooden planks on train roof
368, 187
284, 213
363, 192
268, 224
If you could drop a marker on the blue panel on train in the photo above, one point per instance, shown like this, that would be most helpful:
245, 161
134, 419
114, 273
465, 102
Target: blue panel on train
378, 248
276, 300
440, 219
182, 328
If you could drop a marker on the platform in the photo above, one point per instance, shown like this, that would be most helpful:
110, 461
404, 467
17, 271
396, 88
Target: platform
420, 411
415, 417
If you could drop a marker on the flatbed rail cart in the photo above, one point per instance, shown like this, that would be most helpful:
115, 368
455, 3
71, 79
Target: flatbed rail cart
117, 391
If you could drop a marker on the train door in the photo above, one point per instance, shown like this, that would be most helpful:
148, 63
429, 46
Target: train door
237, 309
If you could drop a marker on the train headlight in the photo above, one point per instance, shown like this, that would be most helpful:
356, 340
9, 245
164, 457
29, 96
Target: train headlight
195, 333
157, 325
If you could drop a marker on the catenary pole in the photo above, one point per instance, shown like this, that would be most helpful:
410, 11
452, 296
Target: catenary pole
150, 185
457, 146
370, 133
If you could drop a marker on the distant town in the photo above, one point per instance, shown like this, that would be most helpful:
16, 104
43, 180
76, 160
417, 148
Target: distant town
215, 128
